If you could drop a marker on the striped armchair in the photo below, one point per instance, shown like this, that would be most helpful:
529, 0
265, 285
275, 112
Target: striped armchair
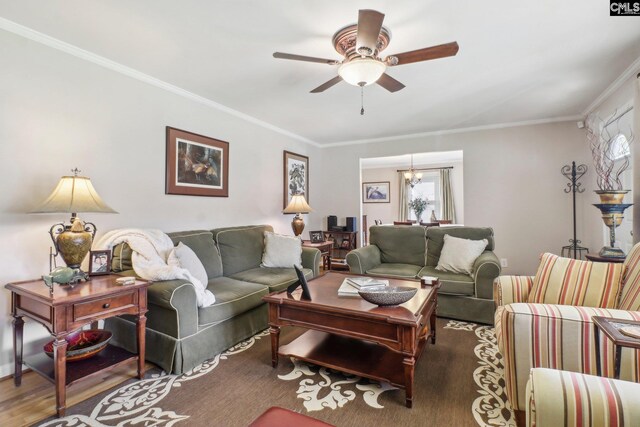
557, 398
545, 321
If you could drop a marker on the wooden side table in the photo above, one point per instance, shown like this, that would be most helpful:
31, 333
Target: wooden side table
611, 328
325, 249
66, 310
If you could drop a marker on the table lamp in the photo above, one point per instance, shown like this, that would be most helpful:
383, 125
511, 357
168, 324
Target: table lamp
72, 241
298, 205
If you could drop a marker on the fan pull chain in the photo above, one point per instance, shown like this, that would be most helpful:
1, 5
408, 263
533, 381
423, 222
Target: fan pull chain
362, 100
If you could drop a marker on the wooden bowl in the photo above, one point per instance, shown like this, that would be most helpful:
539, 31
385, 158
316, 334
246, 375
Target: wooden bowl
82, 344
387, 295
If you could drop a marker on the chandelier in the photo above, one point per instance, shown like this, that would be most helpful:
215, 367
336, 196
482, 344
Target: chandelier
412, 177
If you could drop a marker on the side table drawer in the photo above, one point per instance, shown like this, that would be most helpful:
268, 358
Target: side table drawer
96, 308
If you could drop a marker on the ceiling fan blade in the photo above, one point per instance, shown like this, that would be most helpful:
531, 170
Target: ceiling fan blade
389, 83
369, 26
428, 53
304, 58
327, 85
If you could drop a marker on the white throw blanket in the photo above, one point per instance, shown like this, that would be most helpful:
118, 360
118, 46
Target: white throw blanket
151, 249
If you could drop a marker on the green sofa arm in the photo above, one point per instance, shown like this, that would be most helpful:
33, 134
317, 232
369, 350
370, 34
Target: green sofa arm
173, 308
485, 270
363, 259
311, 260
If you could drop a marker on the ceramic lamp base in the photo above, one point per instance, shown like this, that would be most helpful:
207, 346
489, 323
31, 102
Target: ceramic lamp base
297, 225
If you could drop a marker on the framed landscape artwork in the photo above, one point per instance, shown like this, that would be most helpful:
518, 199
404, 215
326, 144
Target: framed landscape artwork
375, 192
196, 165
296, 176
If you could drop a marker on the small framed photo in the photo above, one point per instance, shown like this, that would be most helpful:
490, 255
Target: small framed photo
316, 236
345, 244
375, 192
99, 262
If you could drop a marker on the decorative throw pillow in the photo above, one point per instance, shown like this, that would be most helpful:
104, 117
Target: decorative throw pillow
281, 251
568, 281
183, 256
458, 255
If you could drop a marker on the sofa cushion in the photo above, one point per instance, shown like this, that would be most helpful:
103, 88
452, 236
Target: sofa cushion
281, 251
451, 283
435, 239
630, 296
121, 258
201, 242
241, 248
233, 297
182, 256
567, 281
277, 279
406, 271
400, 244
459, 255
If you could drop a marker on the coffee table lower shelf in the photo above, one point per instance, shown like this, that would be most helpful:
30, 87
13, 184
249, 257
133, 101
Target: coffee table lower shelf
348, 355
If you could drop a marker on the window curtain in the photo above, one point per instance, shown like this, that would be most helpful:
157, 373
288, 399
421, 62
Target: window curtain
635, 152
446, 196
404, 192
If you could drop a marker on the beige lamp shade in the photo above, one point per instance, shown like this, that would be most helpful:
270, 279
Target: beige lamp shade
297, 205
74, 194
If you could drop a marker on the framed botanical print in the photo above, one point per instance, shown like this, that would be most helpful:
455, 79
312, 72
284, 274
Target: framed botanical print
296, 176
375, 192
197, 165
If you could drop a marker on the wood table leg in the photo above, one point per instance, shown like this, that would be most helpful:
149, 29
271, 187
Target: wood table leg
275, 344
596, 336
18, 326
616, 366
432, 325
140, 332
409, 367
60, 362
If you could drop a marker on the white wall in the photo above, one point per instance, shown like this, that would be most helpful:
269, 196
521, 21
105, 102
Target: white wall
512, 182
388, 212
58, 112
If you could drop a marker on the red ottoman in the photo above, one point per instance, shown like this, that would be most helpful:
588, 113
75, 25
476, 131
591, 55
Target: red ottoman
280, 417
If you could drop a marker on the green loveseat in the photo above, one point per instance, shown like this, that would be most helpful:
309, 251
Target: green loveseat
180, 335
413, 252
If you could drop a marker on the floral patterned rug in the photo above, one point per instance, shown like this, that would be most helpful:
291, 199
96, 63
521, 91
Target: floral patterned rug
237, 385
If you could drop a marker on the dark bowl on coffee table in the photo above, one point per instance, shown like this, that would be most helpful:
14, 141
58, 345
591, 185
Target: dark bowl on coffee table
387, 295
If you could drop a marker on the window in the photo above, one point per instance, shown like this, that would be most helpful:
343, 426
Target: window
619, 147
429, 187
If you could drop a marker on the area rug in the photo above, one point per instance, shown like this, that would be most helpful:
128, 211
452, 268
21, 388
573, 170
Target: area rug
458, 382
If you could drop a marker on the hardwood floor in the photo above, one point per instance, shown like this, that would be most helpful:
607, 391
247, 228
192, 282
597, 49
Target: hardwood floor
35, 399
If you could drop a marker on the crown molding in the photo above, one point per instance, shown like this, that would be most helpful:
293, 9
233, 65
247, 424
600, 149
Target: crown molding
628, 72
457, 130
70, 49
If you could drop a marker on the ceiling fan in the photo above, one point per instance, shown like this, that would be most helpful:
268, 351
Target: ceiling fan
361, 44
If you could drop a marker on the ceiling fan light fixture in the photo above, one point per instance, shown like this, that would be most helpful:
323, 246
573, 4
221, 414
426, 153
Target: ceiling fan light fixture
359, 71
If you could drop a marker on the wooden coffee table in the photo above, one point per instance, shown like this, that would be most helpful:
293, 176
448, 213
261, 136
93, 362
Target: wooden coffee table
351, 335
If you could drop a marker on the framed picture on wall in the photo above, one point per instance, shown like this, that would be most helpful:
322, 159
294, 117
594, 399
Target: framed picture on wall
196, 165
296, 176
375, 192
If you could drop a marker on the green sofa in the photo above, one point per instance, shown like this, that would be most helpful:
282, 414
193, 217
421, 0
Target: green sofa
179, 334
413, 251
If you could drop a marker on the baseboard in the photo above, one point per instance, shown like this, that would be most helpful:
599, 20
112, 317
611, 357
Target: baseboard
6, 371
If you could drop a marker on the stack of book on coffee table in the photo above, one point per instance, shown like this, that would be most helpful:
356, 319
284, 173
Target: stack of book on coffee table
351, 285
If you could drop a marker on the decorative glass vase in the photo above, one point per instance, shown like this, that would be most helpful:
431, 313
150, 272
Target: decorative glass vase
433, 216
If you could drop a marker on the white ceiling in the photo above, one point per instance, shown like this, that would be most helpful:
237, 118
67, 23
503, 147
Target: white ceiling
517, 61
